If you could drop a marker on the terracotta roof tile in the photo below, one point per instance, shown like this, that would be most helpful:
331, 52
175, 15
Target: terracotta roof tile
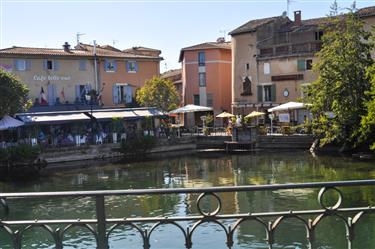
368, 11
209, 45
253, 25
81, 50
171, 73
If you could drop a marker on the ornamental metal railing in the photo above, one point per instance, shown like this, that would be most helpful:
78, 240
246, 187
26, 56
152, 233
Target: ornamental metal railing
101, 227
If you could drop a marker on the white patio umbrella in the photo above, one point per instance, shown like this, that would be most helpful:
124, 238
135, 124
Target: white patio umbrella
7, 122
288, 106
191, 108
254, 114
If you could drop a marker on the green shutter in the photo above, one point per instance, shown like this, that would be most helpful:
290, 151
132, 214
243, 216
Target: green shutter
273, 93
301, 65
260, 93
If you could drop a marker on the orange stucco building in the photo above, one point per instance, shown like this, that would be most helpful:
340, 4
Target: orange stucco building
206, 76
122, 72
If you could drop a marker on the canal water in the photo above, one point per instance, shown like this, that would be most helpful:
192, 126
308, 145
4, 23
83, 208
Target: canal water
197, 171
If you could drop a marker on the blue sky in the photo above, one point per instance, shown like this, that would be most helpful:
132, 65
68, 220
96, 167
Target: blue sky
168, 25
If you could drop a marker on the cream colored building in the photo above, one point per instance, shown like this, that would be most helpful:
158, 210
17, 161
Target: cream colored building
63, 74
272, 59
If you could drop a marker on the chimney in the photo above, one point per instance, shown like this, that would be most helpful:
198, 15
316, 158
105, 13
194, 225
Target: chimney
297, 18
66, 47
220, 40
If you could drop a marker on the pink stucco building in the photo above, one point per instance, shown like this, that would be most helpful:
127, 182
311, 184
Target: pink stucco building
206, 76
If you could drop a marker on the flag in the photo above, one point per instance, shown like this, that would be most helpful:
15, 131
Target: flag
43, 99
62, 94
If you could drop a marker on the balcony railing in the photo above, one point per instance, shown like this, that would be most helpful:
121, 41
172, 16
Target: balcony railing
290, 49
101, 227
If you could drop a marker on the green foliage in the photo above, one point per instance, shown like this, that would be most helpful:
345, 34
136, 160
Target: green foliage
116, 124
159, 93
20, 153
138, 145
367, 130
13, 95
342, 82
209, 120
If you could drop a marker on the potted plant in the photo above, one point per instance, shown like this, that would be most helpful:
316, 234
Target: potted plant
116, 128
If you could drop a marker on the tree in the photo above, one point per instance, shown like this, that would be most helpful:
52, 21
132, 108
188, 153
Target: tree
13, 94
342, 82
158, 92
367, 130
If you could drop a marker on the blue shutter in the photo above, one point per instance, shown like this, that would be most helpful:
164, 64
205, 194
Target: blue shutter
44, 64
78, 93
56, 65
54, 92
105, 64
114, 65
115, 95
136, 66
28, 65
128, 94
15, 66
127, 66
50, 94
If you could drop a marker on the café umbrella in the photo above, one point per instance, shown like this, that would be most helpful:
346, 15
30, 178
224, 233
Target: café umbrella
7, 122
225, 115
254, 114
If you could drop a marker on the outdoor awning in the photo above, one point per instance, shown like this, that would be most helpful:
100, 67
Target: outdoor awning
148, 113
55, 118
7, 122
110, 115
288, 106
191, 108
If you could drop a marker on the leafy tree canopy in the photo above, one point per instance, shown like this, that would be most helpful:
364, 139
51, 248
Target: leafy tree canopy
13, 94
342, 83
160, 93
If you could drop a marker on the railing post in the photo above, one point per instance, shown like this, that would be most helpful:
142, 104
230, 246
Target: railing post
100, 216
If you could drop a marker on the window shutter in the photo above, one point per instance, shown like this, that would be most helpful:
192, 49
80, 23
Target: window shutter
105, 64
273, 93
301, 65
28, 65
115, 95
56, 65
114, 65
128, 94
50, 94
127, 66
78, 93
15, 65
260, 93
44, 64
54, 92
136, 66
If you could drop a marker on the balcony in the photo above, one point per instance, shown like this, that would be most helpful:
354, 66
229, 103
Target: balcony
287, 50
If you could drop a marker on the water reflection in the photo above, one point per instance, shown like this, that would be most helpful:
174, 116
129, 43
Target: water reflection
198, 172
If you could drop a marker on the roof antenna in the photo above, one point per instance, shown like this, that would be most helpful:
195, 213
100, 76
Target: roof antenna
78, 36
224, 32
114, 42
166, 67
287, 6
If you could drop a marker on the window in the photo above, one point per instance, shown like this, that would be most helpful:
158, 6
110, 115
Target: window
131, 66
266, 68
110, 66
210, 100
318, 35
201, 58
82, 65
81, 92
308, 64
266, 93
246, 87
247, 66
50, 65
20, 65
202, 79
122, 93
303, 65
196, 99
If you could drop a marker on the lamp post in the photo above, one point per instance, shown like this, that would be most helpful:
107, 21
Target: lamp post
89, 100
